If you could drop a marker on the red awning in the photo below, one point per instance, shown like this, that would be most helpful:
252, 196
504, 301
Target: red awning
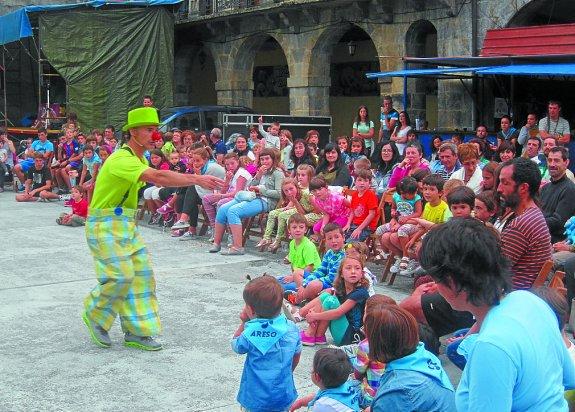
530, 41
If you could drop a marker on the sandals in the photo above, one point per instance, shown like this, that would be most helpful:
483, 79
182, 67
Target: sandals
263, 244
404, 263
275, 246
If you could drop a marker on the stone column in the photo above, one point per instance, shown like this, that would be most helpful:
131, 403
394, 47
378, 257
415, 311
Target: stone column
309, 96
235, 93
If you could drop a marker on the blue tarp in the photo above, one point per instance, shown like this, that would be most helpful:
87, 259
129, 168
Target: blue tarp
556, 69
423, 72
16, 25
553, 69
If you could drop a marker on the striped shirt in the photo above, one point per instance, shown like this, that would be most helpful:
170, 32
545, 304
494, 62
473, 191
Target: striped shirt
526, 242
438, 168
327, 271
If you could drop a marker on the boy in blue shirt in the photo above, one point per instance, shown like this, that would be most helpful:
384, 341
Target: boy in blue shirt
331, 369
309, 285
272, 345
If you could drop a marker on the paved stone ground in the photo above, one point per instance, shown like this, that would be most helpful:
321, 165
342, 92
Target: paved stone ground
47, 361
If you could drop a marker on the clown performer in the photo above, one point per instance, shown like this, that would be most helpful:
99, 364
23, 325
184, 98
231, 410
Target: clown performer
126, 284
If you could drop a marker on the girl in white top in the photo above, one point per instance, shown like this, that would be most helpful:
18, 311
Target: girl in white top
237, 178
399, 135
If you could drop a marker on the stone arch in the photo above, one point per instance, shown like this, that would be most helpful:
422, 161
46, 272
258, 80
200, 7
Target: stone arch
236, 67
421, 41
192, 62
541, 12
329, 92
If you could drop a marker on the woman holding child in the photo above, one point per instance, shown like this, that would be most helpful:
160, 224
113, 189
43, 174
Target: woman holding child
261, 196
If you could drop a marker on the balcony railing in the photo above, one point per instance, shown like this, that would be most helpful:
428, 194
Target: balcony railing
195, 9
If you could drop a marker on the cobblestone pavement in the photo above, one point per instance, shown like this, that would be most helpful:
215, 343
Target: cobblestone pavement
47, 361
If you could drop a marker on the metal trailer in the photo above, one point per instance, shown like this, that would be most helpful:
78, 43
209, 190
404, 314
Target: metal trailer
297, 125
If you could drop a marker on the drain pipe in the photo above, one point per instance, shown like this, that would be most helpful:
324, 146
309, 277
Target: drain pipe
474, 53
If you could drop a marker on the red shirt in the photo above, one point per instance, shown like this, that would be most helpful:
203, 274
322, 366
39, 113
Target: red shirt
526, 242
361, 205
79, 208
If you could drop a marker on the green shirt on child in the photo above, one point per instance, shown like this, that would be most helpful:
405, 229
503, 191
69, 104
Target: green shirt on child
304, 254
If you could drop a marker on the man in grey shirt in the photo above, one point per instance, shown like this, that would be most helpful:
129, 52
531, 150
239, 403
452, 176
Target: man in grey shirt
553, 125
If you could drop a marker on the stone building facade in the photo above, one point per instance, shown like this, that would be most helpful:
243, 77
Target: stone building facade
309, 57
307, 32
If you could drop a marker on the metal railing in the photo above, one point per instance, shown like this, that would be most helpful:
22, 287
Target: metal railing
193, 9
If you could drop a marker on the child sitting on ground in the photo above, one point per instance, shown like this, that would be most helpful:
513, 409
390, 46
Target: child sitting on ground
341, 312
79, 207
364, 213
302, 251
272, 345
360, 251
331, 369
90, 165
310, 284
333, 206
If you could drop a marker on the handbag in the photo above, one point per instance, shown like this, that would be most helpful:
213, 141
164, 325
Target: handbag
245, 196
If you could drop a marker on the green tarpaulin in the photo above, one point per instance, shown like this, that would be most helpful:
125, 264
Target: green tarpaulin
110, 59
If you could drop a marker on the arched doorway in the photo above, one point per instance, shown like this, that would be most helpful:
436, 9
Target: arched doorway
544, 12
270, 74
421, 41
352, 56
194, 76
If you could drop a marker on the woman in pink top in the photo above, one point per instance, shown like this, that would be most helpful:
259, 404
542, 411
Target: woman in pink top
413, 161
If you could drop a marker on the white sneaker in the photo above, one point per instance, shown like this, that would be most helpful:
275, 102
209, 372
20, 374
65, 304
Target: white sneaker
180, 224
187, 236
395, 267
412, 266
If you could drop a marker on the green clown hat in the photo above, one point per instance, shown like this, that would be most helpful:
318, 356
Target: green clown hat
142, 116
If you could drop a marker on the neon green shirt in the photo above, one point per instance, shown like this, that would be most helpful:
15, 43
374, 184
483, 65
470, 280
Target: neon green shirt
436, 214
121, 172
303, 254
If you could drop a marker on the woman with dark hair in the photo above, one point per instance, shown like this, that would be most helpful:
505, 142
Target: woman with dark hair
300, 155
412, 161
414, 379
384, 163
399, 135
508, 133
364, 129
434, 146
332, 168
241, 148
517, 359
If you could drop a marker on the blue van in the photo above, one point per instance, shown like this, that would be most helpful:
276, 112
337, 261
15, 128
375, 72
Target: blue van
197, 118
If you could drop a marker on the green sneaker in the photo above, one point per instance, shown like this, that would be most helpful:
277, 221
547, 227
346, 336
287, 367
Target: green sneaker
98, 334
141, 342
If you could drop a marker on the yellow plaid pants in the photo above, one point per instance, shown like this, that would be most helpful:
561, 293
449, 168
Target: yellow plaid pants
126, 284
